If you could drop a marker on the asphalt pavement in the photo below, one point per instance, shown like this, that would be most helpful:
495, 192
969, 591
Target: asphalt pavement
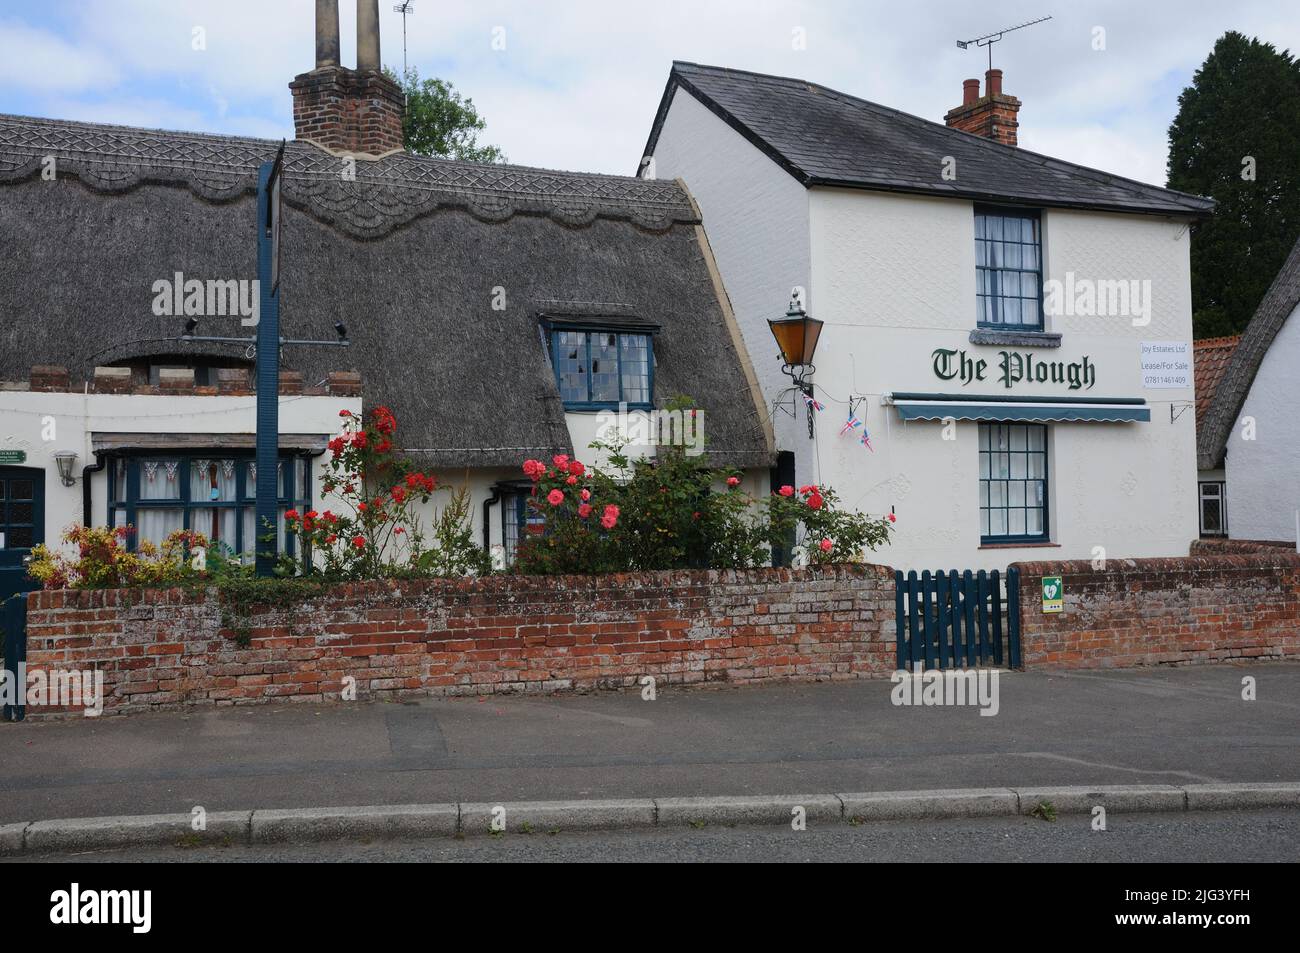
1147, 726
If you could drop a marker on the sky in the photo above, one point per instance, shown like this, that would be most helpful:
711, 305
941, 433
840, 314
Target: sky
574, 84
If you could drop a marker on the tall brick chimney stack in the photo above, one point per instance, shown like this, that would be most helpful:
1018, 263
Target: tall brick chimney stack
992, 115
348, 111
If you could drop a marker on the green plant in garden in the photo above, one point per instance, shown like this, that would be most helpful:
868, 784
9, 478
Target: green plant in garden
673, 511
103, 561
380, 532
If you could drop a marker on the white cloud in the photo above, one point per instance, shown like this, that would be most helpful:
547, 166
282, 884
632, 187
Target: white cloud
577, 85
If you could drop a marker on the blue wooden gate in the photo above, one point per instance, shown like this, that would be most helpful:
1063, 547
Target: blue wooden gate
957, 620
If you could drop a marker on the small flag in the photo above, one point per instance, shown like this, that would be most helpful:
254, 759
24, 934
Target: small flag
866, 440
813, 402
850, 424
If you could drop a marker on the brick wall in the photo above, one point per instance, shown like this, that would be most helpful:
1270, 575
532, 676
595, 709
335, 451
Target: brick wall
504, 634
1225, 547
1163, 611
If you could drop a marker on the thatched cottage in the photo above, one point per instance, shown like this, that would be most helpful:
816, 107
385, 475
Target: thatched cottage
496, 309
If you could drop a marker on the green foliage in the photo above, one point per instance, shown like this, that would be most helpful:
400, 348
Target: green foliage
378, 532
673, 511
103, 561
1243, 101
440, 122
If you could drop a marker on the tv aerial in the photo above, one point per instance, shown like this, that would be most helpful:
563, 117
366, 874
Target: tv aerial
989, 39
404, 8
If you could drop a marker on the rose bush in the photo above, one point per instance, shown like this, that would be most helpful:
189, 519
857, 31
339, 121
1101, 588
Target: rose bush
673, 511
379, 531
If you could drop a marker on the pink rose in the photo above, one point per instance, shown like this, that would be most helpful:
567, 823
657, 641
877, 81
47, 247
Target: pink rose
786, 490
584, 510
561, 460
586, 495
826, 545
571, 481
610, 517
555, 497
733, 481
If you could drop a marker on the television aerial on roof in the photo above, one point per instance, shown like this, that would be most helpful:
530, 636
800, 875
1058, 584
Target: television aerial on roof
405, 7
989, 39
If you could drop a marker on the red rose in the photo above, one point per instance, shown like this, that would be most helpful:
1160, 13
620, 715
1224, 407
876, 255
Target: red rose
555, 497
610, 517
576, 468
561, 460
571, 481
584, 510
586, 494
733, 481
359, 542
398, 493
786, 490
291, 514
815, 501
826, 545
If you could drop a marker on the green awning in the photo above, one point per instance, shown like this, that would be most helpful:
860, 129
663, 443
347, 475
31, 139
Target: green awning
1041, 410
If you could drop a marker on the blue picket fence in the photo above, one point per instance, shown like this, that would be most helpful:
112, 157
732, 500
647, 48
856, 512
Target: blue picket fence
958, 619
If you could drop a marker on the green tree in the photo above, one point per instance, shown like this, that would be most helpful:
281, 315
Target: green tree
440, 122
1240, 115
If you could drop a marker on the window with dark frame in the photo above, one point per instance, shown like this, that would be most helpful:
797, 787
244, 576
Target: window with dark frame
1013, 483
603, 368
1214, 513
1008, 269
518, 520
214, 494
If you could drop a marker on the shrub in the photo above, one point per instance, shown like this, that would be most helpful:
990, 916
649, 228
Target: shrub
672, 511
104, 562
381, 532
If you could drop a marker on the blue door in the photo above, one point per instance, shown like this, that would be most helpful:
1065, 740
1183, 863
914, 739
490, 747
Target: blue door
22, 525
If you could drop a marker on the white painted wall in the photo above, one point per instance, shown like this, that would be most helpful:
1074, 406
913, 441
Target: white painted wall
756, 217
1263, 475
894, 278
24, 415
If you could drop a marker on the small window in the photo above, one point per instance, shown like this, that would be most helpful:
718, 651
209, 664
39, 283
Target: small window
1008, 270
1013, 483
603, 368
519, 520
1214, 513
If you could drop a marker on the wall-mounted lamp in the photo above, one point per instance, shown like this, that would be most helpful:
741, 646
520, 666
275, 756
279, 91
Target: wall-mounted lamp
65, 461
796, 335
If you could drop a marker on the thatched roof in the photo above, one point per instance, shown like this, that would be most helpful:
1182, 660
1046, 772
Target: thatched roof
1281, 299
407, 255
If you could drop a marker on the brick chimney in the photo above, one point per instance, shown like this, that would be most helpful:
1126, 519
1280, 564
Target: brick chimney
344, 110
992, 115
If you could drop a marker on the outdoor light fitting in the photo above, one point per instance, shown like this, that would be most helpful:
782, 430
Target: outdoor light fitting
796, 335
64, 460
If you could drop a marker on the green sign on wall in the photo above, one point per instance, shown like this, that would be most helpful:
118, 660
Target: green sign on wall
12, 457
1053, 594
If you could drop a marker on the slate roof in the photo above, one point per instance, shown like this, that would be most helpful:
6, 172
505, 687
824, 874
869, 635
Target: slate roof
408, 255
1210, 359
824, 137
1280, 301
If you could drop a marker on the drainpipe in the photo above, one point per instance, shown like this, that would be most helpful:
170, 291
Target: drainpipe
86, 500
487, 517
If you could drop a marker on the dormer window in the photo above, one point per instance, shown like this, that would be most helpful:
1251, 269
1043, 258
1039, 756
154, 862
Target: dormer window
603, 367
1008, 269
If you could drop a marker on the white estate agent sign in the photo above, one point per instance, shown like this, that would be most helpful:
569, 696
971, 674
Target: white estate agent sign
1166, 364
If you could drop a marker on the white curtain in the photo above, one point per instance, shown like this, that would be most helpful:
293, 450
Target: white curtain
212, 481
156, 524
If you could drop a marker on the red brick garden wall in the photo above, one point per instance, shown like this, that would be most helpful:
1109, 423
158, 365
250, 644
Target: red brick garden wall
1163, 611
167, 648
